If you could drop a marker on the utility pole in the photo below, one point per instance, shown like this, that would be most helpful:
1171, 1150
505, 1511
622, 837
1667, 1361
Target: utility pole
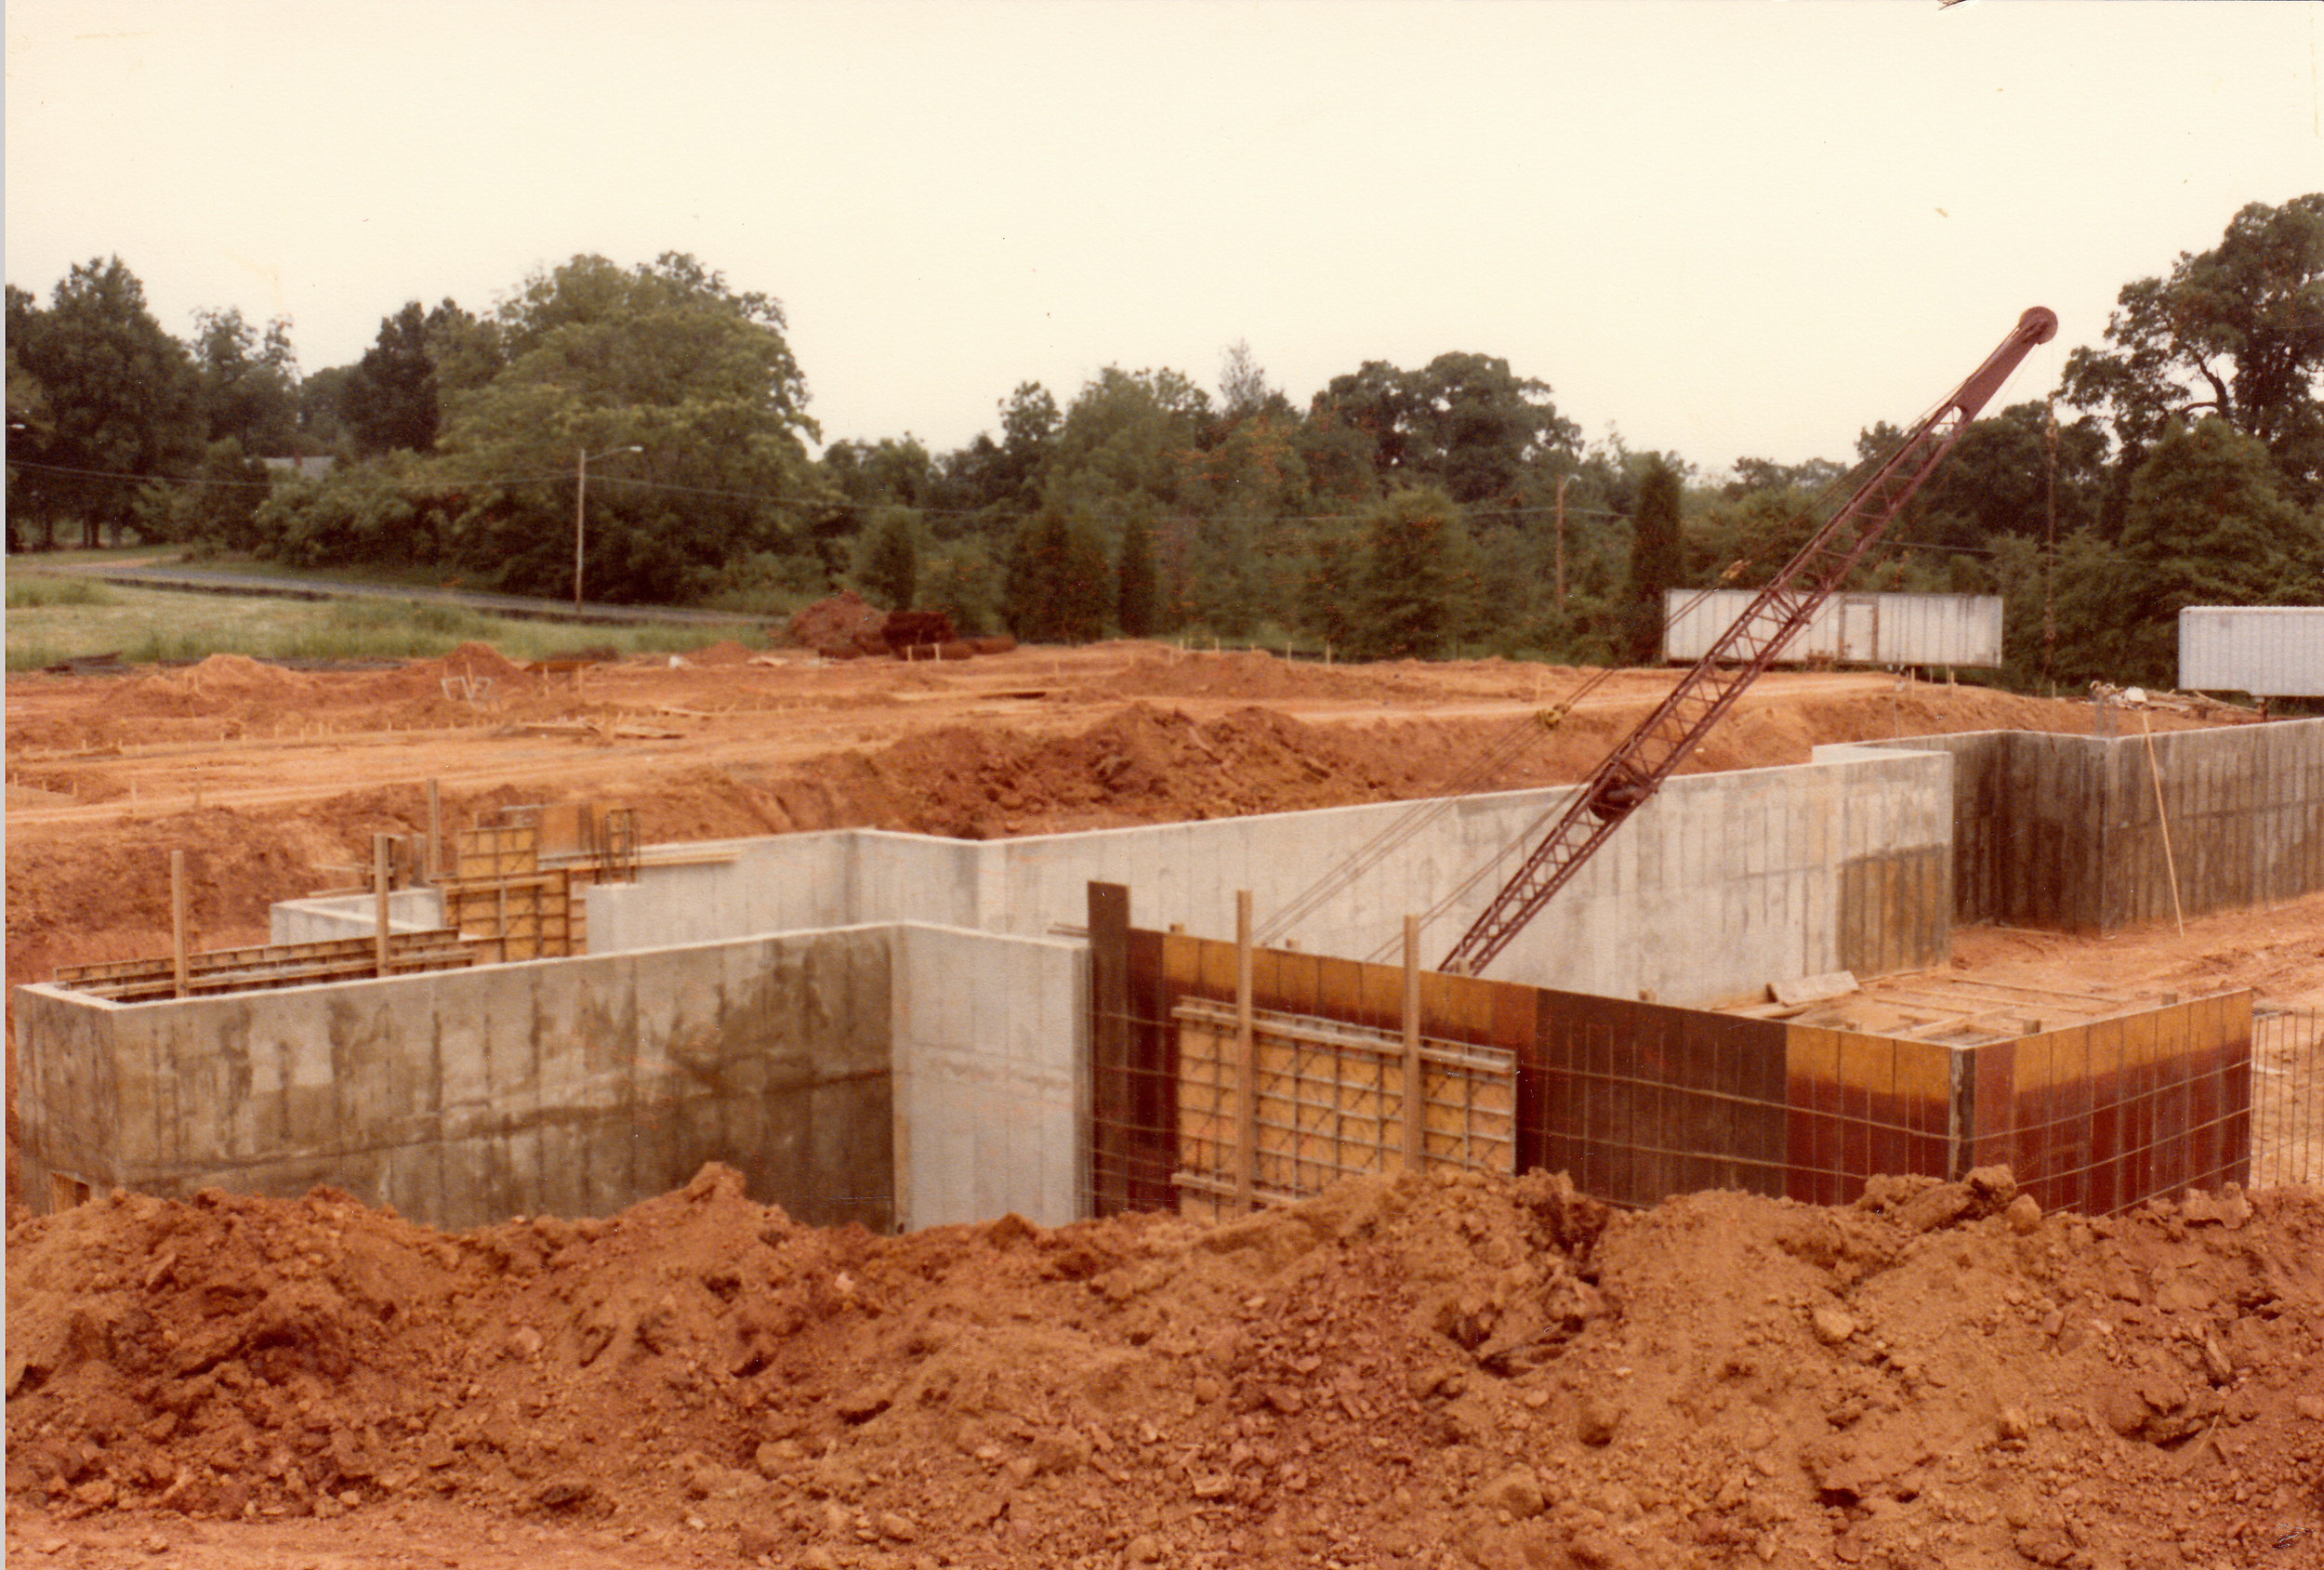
2050, 558
1561, 539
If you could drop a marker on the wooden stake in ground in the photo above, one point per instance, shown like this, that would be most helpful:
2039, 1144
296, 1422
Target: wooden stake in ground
1415, 1103
1246, 1087
435, 832
178, 921
379, 883
2170, 863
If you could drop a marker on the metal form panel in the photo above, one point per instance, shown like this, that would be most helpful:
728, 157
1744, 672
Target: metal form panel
2268, 650
1961, 630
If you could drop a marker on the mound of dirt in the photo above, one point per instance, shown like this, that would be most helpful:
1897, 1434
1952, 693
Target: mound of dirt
837, 626
230, 674
1407, 1372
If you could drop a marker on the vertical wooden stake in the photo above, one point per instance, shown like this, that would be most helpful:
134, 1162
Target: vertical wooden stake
435, 831
2170, 863
1245, 1065
1415, 1103
379, 882
178, 921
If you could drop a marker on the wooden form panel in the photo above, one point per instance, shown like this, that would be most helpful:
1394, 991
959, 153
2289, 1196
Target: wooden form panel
213, 972
534, 915
1330, 1104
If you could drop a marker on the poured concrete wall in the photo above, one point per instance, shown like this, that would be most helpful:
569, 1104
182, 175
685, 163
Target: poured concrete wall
1843, 864
336, 917
991, 1078
567, 1086
2065, 831
892, 1076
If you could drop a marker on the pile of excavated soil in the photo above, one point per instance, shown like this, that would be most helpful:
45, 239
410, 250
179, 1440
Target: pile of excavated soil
1402, 1372
835, 625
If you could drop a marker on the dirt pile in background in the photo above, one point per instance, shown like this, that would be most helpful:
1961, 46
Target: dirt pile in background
1405, 1372
835, 627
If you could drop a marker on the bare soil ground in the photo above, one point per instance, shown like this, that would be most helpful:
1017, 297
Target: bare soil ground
1400, 1373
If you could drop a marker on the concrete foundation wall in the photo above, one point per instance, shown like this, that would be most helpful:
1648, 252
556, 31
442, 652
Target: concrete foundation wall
894, 1076
1799, 870
991, 1078
340, 916
727, 888
2064, 831
568, 1087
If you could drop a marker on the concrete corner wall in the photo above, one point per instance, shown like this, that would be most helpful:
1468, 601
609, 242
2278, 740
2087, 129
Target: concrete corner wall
2065, 831
726, 889
991, 1052
572, 1087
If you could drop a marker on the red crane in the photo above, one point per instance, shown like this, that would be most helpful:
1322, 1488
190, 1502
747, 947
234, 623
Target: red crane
1636, 768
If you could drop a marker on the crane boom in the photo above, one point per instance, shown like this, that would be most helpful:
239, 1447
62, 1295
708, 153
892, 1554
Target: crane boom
1632, 774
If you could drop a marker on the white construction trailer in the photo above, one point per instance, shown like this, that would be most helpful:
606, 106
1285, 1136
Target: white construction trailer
1960, 630
2268, 650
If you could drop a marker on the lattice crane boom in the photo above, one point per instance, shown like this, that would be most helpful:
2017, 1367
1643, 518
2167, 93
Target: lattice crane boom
1632, 774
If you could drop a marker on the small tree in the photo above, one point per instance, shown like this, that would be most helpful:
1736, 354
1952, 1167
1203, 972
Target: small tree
1058, 580
892, 562
1655, 557
1140, 612
1413, 542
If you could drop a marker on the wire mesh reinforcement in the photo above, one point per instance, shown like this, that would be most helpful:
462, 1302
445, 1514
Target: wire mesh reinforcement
2287, 1098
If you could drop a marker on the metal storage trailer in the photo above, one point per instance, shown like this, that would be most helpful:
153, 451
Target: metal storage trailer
1963, 630
2268, 650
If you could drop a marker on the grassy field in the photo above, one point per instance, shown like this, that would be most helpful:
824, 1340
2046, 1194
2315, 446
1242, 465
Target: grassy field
53, 618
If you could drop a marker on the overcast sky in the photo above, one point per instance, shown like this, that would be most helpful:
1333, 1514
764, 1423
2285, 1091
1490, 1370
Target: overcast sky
1730, 229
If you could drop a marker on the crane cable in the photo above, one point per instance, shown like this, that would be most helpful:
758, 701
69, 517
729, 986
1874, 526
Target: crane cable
1501, 753
1421, 814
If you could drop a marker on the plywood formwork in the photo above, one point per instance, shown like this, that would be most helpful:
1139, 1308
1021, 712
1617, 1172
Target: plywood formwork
1639, 1100
275, 964
523, 916
1328, 1101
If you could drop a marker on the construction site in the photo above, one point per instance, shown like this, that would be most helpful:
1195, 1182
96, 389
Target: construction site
1132, 1105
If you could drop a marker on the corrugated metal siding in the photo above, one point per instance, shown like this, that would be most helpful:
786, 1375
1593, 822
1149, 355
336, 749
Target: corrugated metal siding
1922, 629
2268, 650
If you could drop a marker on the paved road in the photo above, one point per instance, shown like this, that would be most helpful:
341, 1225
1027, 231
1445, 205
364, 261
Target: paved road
207, 581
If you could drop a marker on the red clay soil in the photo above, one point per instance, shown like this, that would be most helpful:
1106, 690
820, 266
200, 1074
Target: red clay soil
1399, 1373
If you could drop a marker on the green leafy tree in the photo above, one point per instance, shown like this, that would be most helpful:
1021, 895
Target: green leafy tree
959, 578
120, 399
1463, 421
2208, 526
217, 509
246, 383
1414, 547
1140, 608
2232, 332
1059, 580
1998, 480
891, 558
1656, 558
1125, 442
594, 358
390, 401
322, 419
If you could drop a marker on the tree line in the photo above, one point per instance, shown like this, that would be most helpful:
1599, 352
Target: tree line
1397, 512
